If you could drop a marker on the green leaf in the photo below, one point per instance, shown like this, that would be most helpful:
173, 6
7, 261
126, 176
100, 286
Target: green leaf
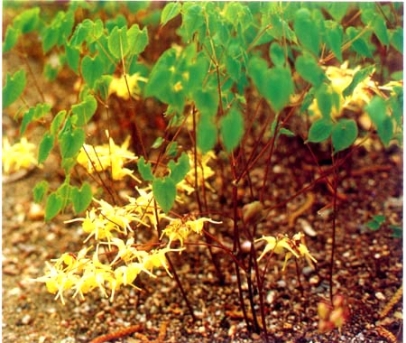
72, 57
376, 222
324, 101
85, 110
65, 193
81, 198
380, 30
40, 190
68, 163
45, 147
337, 9
88, 31
397, 39
27, 21
159, 80
359, 76
385, 131
180, 168
118, 43
170, 11
320, 130
164, 190
359, 45
233, 67
197, 73
92, 69
397, 231
280, 87
376, 110
14, 87
344, 134
206, 134
334, 37
34, 113
307, 31
379, 218
277, 54
373, 225
232, 129
207, 101
50, 37
145, 169
172, 149
102, 85
309, 70
137, 39
53, 206
57, 122
82, 31
286, 132
71, 142
10, 39
157, 143
192, 19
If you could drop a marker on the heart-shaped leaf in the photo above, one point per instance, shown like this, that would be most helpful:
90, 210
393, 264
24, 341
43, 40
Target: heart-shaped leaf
344, 134
92, 69
53, 206
81, 198
14, 87
164, 191
71, 142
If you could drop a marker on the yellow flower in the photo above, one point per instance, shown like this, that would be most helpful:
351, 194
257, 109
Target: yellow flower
107, 157
102, 221
143, 206
18, 156
204, 172
63, 274
289, 246
156, 258
118, 86
179, 229
340, 78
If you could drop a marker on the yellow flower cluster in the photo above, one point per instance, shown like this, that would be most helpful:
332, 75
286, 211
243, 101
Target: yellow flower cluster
204, 172
18, 156
82, 274
118, 86
340, 78
282, 244
107, 157
180, 229
103, 221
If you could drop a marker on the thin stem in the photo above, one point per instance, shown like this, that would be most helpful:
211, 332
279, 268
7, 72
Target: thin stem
182, 290
333, 234
268, 160
237, 247
208, 238
251, 294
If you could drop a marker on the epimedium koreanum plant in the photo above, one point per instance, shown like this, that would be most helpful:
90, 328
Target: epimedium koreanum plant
322, 62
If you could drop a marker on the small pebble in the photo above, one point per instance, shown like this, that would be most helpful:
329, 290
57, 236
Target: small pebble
36, 212
307, 228
380, 296
27, 319
246, 246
